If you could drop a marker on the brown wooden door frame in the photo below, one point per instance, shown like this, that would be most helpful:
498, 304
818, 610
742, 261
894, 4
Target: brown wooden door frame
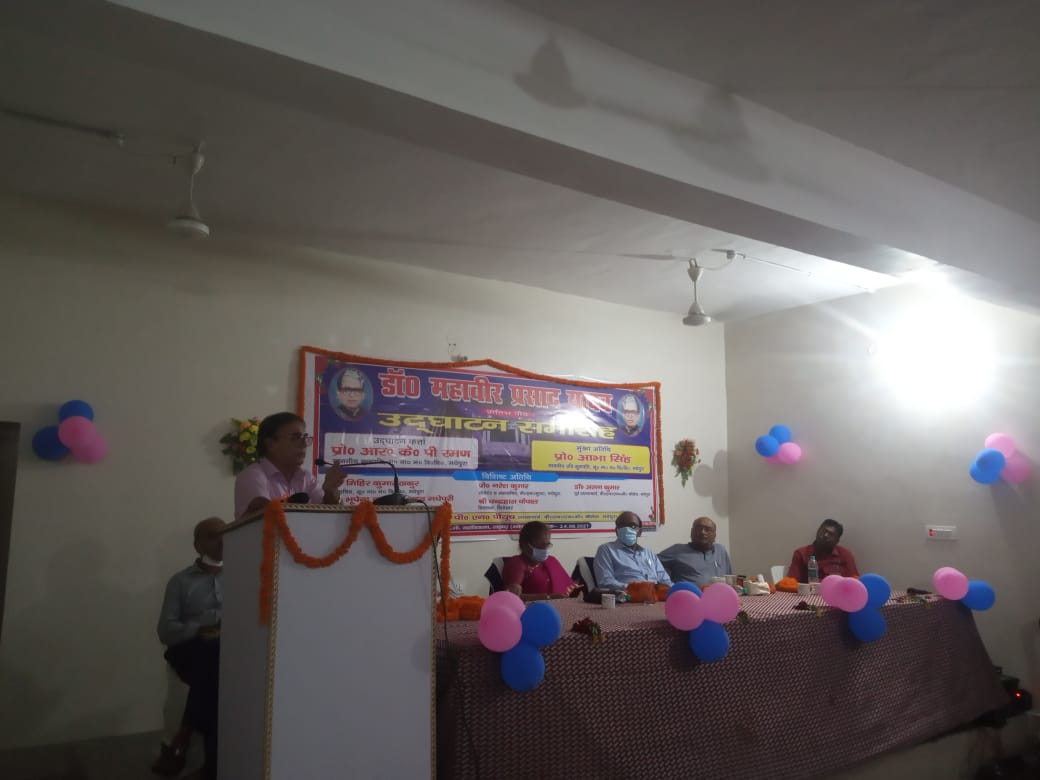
9, 433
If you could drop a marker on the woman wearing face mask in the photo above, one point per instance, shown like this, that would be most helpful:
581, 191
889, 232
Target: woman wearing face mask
534, 574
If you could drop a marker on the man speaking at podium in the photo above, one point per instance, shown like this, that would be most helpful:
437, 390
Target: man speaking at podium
282, 445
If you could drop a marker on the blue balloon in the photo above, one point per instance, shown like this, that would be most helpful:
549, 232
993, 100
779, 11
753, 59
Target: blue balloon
47, 445
541, 623
991, 461
766, 446
878, 590
981, 476
75, 409
980, 596
709, 641
867, 624
781, 433
523, 667
683, 586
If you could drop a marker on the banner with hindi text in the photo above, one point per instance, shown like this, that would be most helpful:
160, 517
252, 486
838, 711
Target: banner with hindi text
502, 445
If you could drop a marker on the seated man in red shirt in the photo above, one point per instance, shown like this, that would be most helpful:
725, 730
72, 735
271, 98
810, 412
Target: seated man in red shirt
831, 557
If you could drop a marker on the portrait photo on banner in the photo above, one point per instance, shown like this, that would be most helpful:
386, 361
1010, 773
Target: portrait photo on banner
502, 445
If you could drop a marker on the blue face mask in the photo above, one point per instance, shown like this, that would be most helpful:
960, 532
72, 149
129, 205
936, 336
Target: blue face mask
539, 556
627, 535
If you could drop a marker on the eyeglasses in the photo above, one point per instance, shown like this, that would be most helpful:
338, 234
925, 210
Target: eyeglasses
296, 438
352, 390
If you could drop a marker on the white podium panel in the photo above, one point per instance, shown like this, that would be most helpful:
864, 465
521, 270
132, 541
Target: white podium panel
343, 677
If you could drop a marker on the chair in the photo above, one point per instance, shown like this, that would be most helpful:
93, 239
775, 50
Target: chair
584, 575
777, 573
494, 575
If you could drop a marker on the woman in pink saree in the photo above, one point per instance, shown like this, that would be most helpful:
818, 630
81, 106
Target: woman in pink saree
534, 574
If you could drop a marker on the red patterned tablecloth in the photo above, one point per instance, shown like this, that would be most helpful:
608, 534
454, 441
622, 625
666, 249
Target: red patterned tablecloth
797, 697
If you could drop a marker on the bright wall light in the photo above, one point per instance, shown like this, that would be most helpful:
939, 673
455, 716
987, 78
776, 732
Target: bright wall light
939, 358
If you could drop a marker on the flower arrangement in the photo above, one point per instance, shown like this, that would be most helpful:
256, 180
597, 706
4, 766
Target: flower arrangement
685, 457
240, 442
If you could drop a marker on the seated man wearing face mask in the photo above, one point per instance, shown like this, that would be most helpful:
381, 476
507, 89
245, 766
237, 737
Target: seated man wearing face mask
624, 560
189, 626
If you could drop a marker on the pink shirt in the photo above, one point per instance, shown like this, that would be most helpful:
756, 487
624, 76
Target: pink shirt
548, 577
263, 479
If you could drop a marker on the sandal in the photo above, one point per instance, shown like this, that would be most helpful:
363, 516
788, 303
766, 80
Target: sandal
171, 760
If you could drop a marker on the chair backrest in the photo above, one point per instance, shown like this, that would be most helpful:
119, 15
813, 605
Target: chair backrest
584, 575
777, 573
494, 575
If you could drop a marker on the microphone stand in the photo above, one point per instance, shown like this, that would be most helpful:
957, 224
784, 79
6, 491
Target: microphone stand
397, 498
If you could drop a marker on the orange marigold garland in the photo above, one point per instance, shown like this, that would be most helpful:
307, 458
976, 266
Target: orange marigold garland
276, 524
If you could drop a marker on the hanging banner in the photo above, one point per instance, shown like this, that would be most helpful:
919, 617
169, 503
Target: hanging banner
502, 445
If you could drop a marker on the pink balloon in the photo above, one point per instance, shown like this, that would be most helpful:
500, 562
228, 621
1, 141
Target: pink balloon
720, 603
851, 595
828, 588
503, 598
683, 610
772, 459
499, 629
1002, 442
1016, 469
74, 432
951, 584
789, 453
91, 451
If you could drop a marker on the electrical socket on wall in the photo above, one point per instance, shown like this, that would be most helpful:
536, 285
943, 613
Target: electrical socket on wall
941, 533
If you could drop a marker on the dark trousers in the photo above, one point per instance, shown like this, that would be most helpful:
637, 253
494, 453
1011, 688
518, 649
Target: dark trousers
197, 663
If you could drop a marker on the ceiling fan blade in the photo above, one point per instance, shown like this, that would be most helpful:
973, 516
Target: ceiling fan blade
645, 257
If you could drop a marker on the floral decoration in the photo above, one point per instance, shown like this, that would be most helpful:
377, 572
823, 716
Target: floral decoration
588, 627
240, 442
277, 525
685, 457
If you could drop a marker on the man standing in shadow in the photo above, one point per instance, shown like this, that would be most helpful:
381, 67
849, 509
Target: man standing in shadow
189, 626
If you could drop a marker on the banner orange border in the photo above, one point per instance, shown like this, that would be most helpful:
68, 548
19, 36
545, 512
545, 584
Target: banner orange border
346, 356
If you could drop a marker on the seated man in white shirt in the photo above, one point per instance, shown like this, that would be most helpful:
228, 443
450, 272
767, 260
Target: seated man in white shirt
189, 626
624, 560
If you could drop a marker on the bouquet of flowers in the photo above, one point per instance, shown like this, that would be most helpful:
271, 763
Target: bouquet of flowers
685, 457
240, 442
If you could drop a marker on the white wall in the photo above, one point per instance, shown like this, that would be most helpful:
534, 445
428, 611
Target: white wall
168, 340
884, 464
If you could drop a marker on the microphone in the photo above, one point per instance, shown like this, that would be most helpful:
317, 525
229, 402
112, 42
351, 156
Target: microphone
397, 498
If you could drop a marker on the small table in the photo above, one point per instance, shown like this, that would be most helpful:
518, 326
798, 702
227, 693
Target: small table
797, 696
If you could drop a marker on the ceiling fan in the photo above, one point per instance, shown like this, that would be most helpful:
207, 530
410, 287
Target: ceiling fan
695, 317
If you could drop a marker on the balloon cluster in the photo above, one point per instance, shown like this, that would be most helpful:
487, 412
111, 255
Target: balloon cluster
687, 608
955, 586
777, 446
999, 460
74, 433
862, 599
507, 627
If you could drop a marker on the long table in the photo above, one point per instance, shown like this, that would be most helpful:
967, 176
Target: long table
796, 697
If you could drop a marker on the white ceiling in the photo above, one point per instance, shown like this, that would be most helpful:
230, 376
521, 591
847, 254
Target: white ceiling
950, 88
274, 170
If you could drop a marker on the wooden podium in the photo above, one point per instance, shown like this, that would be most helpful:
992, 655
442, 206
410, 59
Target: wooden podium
340, 683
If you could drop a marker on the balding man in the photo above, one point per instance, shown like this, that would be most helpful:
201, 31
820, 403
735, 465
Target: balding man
624, 560
189, 626
700, 559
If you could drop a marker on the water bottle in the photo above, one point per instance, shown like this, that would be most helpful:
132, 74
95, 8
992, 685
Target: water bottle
814, 575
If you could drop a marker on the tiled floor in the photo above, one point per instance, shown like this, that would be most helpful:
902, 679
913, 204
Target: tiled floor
130, 758
111, 758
